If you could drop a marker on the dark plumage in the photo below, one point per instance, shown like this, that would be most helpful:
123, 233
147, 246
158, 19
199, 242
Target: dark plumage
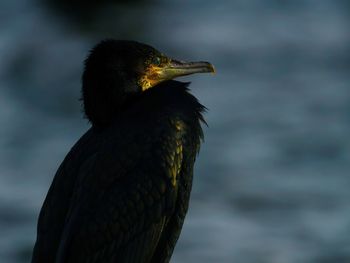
122, 192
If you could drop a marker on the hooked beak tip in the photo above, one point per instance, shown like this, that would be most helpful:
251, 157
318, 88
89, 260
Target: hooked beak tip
212, 69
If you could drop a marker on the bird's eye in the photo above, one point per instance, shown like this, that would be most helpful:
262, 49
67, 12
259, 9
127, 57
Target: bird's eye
156, 61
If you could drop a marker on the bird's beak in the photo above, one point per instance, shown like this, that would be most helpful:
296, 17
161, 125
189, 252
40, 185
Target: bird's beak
175, 69
172, 69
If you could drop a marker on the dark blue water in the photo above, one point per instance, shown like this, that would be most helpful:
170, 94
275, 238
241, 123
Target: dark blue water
272, 179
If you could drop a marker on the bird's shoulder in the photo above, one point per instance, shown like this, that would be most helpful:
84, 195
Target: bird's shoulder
130, 178
126, 173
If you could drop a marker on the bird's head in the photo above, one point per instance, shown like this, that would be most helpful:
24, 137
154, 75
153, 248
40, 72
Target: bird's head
117, 71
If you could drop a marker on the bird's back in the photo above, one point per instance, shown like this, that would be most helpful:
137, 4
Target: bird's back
122, 192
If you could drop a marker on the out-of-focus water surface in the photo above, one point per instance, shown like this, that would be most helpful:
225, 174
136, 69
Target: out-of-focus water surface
272, 180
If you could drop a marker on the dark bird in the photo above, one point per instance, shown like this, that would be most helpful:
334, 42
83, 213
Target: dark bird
122, 192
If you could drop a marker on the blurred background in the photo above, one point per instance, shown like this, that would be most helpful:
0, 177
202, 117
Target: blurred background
272, 180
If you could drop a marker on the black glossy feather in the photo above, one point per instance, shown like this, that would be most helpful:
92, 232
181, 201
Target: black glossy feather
122, 192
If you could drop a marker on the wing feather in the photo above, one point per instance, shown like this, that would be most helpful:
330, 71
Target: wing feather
123, 200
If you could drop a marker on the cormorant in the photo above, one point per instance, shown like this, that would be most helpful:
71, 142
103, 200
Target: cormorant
122, 192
